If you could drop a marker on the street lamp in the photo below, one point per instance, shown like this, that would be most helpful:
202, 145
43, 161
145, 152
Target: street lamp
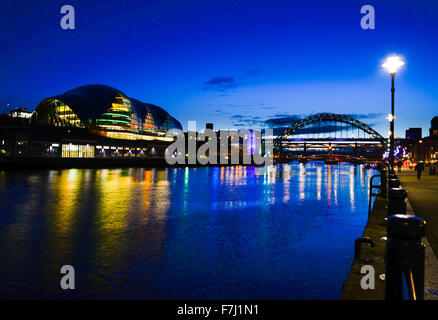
392, 64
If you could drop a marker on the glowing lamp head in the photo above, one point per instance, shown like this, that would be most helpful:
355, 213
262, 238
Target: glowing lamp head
392, 64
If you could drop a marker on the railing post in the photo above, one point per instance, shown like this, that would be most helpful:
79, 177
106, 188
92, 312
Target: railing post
383, 183
358, 245
397, 201
405, 255
371, 194
393, 183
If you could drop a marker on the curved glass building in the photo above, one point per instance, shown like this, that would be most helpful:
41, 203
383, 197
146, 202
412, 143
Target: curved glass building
107, 112
89, 124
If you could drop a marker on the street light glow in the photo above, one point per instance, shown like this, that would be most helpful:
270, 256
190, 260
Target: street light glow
390, 117
392, 64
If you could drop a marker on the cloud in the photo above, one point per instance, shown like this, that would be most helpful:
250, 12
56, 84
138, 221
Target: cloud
282, 120
220, 84
221, 112
226, 83
265, 107
239, 120
218, 113
365, 115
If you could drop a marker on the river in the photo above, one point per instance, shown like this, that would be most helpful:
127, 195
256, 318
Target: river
279, 232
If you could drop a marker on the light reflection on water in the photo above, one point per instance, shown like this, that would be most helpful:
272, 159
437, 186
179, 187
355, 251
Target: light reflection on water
282, 232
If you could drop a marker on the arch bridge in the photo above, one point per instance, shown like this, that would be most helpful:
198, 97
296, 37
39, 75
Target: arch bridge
330, 133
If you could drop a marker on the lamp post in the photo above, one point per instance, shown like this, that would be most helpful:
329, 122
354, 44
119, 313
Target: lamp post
392, 64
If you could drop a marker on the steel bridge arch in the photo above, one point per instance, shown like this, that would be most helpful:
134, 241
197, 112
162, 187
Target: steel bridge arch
325, 117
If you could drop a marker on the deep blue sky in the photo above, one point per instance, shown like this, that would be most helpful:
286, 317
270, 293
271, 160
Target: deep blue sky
235, 63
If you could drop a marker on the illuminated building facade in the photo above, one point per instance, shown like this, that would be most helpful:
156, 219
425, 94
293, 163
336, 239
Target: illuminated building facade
21, 113
90, 122
106, 112
424, 148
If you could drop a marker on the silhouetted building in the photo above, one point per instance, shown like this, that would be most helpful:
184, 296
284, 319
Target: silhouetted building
426, 149
433, 131
414, 133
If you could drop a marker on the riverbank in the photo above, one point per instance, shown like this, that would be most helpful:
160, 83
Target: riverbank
423, 196
375, 230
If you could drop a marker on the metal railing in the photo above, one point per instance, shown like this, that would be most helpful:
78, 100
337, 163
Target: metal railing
371, 194
405, 252
405, 258
358, 246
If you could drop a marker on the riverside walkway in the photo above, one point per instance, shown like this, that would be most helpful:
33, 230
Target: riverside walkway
423, 196
422, 202
375, 230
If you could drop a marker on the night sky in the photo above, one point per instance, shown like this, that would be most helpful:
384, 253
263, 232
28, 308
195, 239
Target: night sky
238, 64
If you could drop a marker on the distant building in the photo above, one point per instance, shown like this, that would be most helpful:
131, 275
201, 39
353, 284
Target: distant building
22, 113
426, 148
414, 134
433, 131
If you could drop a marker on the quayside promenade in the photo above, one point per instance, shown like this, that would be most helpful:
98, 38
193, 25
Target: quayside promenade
423, 196
422, 202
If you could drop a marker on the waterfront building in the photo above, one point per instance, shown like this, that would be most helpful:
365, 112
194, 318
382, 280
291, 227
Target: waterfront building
92, 121
22, 113
430, 143
433, 131
425, 148
413, 134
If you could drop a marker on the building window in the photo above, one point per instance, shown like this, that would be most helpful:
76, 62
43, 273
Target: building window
77, 151
119, 117
54, 112
149, 122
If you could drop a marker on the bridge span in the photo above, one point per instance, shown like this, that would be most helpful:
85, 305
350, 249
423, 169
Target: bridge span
329, 133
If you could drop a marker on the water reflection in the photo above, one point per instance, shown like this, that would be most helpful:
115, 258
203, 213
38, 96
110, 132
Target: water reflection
352, 185
329, 186
302, 181
236, 232
318, 182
